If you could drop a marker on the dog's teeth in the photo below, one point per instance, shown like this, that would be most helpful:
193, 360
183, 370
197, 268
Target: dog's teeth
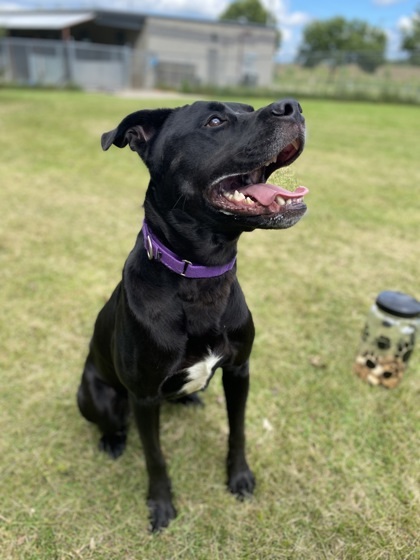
271, 161
249, 201
238, 196
295, 144
280, 200
289, 201
228, 195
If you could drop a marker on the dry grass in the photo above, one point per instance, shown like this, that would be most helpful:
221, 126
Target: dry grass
390, 82
337, 462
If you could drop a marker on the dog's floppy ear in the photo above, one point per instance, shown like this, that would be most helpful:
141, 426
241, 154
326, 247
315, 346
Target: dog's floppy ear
136, 129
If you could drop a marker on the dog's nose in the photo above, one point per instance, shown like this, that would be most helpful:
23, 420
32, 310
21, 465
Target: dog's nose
286, 108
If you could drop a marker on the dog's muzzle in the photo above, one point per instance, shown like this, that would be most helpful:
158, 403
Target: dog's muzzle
249, 199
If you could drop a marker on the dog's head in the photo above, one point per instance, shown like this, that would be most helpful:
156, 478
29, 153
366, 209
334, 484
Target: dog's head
212, 160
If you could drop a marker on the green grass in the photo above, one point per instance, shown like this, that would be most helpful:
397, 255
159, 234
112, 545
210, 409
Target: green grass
337, 462
390, 82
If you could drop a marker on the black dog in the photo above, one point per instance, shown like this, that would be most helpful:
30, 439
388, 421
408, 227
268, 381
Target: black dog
179, 313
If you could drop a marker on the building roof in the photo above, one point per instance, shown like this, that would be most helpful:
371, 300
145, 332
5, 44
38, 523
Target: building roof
61, 19
40, 20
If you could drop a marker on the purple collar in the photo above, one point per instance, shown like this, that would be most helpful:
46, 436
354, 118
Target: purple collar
157, 251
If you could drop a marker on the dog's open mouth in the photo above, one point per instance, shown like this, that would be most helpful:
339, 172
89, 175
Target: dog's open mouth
250, 194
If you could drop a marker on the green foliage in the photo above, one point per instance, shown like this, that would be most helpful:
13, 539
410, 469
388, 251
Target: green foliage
411, 40
251, 11
339, 41
336, 461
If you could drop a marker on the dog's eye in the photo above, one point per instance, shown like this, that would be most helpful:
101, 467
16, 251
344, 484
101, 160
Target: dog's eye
214, 121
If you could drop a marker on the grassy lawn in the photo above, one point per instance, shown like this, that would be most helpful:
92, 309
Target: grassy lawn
389, 82
337, 462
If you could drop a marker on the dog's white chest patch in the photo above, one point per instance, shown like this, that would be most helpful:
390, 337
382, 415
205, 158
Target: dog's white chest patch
199, 374
191, 379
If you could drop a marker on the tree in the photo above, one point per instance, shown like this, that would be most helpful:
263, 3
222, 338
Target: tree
339, 41
411, 39
251, 11
248, 11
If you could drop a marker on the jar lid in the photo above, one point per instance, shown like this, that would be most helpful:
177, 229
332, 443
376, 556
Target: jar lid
399, 304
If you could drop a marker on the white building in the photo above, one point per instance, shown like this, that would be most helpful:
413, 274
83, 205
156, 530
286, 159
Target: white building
162, 51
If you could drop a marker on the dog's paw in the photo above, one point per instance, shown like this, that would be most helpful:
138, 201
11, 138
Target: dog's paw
113, 444
242, 483
161, 512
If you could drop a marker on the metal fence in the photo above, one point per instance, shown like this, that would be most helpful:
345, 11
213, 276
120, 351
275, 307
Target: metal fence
60, 63
92, 66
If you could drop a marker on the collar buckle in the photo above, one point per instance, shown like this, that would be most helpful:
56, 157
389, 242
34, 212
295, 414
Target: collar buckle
186, 265
155, 250
149, 247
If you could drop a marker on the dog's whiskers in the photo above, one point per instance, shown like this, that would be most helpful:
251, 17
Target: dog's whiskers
177, 202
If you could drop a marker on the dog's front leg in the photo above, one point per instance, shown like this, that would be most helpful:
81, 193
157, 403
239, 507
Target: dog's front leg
241, 480
159, 496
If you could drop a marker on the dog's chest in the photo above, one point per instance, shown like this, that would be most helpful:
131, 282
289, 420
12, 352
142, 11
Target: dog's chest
191, 379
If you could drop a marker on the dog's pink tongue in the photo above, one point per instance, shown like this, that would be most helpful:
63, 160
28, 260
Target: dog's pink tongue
265, 193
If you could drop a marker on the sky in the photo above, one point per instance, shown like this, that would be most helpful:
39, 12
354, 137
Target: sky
292, 15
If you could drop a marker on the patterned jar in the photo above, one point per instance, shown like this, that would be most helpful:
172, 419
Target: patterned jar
388, 339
